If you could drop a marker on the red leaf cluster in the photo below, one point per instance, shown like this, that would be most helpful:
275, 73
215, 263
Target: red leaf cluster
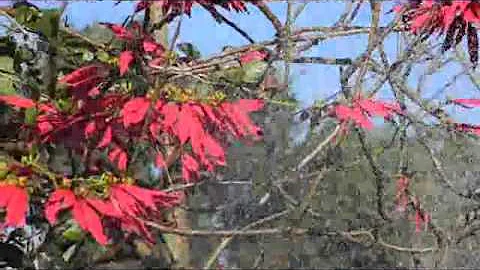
188, 123
363, 108
127, 204
83, 82
112, 121
453, 18
139, 44
185, 6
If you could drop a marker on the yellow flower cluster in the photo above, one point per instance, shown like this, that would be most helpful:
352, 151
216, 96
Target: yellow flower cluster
183, 95
98, 186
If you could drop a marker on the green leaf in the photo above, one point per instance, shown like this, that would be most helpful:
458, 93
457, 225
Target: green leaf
64, 105
237, 144
6, 88
103, 56
48, 23
233, 75
31, 116
74, 233
254, 71
87, 55
189, 50
26, 14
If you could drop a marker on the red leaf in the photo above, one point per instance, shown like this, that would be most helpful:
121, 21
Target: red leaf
237, 115
95, 91
105, 208
190, 167
212, 116
121, 155
134, 111
44, 127
160, 161
468, 128
122, 161
90, 129
155, 128
250, 105
59, 200
158, 105
214, 149
106, 139
344, 114
156, 62
361, 120
418, 221
142, 195
170, 112
18, 101
17, 207
186, 123
378, 108
83, 82
6, 194
124, 201
125, 61
81, 74
47, 108
89, 221
252, 56
113, 155
119, 31
150, 46
467, 102
472, 13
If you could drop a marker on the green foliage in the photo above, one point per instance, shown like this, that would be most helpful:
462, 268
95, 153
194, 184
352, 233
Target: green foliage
190, 51
45, 21
250, 73
73, 233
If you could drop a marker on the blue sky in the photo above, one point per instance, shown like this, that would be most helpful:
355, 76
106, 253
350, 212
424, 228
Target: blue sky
310, 82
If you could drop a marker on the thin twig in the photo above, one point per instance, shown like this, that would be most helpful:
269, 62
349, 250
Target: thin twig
319, 148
